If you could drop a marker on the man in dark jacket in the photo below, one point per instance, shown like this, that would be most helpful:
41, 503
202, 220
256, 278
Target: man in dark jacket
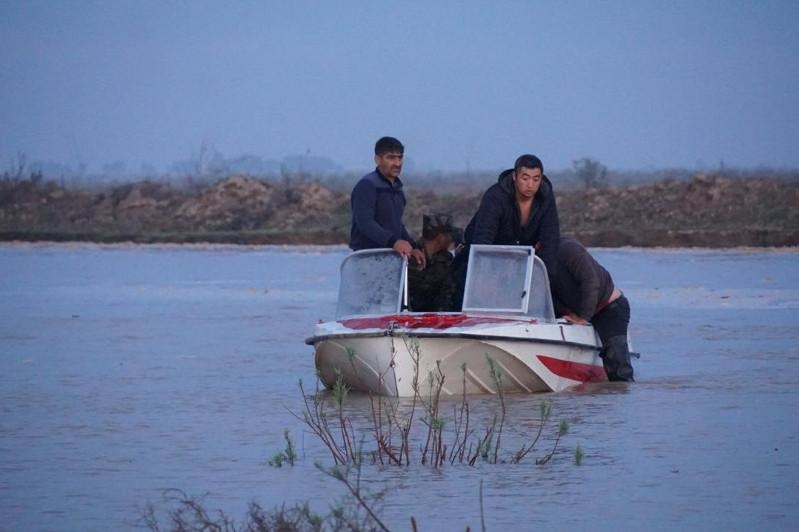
378, 203
583, 292
519, 209
433, 289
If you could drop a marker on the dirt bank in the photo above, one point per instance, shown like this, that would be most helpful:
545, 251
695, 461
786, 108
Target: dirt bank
706, 212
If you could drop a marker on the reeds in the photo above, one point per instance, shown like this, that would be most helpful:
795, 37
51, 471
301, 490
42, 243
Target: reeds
579, 454
342, 473
545, 410
315, 416
287, 455
392, 424
189, 514
563, 429
392, 442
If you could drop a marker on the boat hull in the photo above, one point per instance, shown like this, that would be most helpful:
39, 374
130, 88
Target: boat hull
470, 356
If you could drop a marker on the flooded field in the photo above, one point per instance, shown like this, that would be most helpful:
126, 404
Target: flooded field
125, 371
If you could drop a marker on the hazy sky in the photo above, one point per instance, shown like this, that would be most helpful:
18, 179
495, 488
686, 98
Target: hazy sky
635, 84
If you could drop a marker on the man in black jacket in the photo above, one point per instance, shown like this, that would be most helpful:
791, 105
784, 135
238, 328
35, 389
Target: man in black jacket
583, 292
519, 209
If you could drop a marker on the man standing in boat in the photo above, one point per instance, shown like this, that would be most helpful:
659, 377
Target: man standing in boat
583, 292
378, 203
519, 209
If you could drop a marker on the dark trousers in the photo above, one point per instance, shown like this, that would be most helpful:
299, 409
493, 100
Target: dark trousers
612, 320
611, 325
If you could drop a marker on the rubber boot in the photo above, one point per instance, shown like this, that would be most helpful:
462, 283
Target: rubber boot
616, 359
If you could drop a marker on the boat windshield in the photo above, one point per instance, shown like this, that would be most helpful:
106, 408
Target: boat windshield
372, 282
507, 280
539, 304
500, 280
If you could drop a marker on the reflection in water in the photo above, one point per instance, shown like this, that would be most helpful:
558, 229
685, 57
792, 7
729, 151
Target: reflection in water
129, 370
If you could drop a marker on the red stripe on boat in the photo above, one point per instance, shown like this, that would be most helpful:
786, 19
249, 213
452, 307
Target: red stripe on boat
573, 370
425, 321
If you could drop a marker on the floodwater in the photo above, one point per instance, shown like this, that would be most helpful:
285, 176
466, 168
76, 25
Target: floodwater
128, 370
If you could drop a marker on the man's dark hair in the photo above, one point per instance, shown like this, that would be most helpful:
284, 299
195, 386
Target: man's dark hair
388, 145
528, 161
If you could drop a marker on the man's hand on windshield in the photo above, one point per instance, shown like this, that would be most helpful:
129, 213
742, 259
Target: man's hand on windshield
404, 248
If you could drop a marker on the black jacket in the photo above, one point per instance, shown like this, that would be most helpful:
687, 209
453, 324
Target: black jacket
497, 220
582, 284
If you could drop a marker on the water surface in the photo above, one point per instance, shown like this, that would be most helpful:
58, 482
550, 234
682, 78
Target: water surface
125, 371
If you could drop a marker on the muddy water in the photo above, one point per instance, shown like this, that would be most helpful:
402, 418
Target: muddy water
125, 371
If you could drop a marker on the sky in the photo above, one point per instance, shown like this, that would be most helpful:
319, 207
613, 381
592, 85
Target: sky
465, 85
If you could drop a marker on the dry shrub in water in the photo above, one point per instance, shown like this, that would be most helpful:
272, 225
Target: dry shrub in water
391, 429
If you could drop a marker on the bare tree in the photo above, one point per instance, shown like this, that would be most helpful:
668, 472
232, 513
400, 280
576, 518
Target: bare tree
590, 172
19, 165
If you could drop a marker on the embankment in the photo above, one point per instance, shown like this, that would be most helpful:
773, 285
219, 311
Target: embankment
703, 212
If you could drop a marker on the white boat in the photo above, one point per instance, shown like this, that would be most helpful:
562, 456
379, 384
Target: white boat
505, 338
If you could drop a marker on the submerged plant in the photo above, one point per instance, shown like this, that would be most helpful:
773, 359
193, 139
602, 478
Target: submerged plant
544, 409
340, 390
288, 454
461, 416
496, 376
188, 513
578, 455
392, 426
342, 474
315, 417
562, 431
484, 444
435, 424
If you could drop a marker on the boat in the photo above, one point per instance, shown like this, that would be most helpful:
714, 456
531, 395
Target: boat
505, 339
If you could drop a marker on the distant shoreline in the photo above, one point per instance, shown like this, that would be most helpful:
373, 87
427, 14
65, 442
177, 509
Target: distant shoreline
613, 238
705, 212
788, 250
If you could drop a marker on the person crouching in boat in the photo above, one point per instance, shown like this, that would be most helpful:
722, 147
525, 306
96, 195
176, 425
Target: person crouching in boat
433, 288
583, 292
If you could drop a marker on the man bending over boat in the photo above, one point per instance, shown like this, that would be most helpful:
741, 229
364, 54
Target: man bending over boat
433, 288
583, 292
378, 202
519, 209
